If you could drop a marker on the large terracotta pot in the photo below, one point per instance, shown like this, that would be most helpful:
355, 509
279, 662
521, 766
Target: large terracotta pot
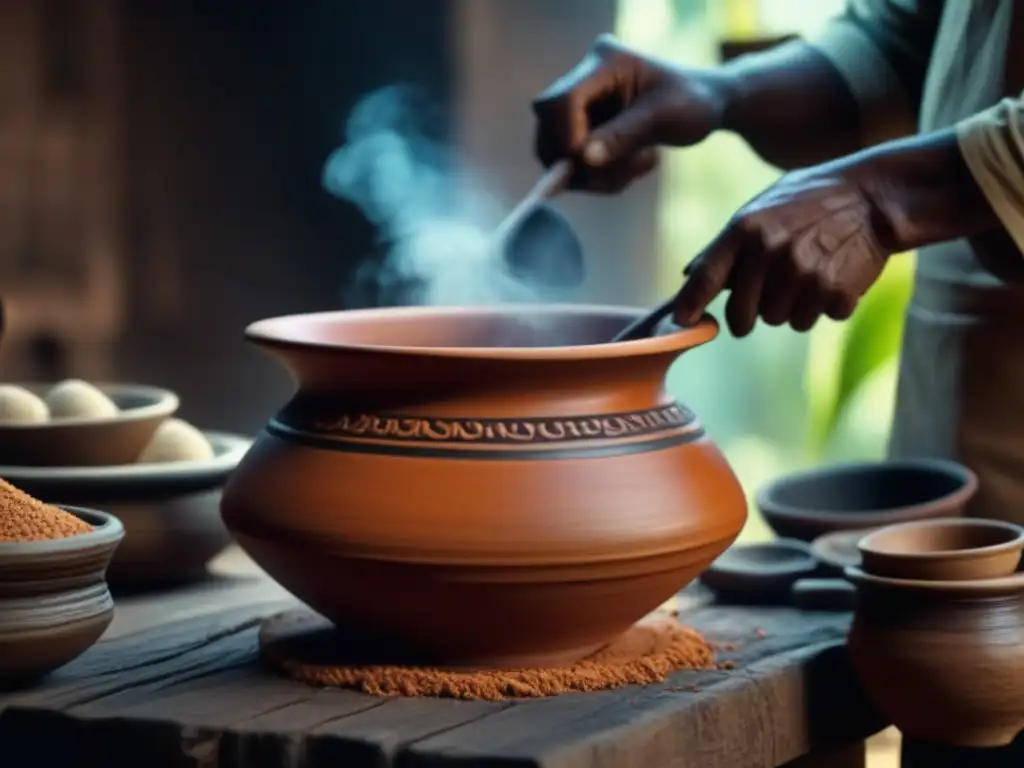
942, 660
442, 478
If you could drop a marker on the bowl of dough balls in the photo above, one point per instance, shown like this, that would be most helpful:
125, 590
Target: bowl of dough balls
77, 424
167, 494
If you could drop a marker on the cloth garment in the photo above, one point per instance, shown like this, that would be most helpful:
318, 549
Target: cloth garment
924, 65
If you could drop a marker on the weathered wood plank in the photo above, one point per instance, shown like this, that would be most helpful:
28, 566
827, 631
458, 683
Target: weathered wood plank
766, 712
192, 693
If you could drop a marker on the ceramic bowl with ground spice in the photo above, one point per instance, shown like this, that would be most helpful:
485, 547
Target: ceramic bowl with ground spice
80, 424
170, 509
54, 601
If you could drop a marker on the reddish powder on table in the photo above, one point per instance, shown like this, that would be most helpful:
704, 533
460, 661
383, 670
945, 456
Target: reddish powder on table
646, 653
24, 518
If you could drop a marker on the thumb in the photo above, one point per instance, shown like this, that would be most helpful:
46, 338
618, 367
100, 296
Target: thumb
622, 135
707, 276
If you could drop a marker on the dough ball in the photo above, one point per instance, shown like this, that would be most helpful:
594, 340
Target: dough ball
19, 406
177, 440
77, 399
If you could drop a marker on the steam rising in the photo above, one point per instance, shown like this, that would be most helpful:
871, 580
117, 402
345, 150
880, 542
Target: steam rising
434, 221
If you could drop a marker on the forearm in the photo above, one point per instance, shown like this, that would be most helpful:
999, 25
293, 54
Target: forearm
791, 105
923, 190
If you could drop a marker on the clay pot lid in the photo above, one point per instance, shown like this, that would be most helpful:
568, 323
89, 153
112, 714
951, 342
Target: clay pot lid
944, 549
868, 494
760, 569
964, 588
839, 548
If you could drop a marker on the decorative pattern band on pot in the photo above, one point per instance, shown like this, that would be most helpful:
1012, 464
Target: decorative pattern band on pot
589, 436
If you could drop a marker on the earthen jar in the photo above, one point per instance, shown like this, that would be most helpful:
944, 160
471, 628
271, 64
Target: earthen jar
491, 486
942, 660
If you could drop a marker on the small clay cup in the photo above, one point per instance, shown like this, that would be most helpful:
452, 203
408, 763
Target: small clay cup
942, 660
54, 601
870, 494
950, 549
110, 441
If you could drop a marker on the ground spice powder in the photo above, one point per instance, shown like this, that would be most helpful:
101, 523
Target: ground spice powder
24, 518
646, 653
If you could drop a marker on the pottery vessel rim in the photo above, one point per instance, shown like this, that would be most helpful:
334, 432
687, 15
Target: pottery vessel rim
824, 546
765, 500
867, 546
228, 452
967, 588
107, 533
798, 557
284, 331
161, 402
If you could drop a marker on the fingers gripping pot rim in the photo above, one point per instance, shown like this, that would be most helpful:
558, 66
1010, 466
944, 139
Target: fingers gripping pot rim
495, 506
803, 248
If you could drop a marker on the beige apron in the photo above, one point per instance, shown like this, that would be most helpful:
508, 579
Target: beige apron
961, 378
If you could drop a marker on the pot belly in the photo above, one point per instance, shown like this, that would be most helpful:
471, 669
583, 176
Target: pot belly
506, 552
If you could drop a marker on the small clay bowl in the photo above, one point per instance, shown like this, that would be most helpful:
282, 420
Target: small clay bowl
119, 439
842, 497
760, 573
838, 550
54, 601
954, 549
170, 511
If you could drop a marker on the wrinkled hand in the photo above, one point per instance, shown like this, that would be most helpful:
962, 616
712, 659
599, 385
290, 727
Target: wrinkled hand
810, 245
616, 106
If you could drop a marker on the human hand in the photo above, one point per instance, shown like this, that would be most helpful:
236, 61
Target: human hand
810, 245
616, 106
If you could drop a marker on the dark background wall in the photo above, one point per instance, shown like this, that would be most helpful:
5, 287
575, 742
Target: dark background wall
160, 169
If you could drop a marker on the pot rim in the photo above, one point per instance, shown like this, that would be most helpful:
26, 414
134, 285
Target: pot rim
1001, 585
765, 498
868, 544
271, 332
107, 533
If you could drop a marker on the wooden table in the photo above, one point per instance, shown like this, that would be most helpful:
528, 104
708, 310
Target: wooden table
176, 682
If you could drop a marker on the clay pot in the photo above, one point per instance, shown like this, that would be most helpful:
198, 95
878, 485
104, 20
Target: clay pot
943, 550
454, 478
942, 660
54, 601
869, 494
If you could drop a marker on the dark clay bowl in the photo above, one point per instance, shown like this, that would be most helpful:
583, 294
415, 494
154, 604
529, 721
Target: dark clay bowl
809, 504
54, 601
113, 440
951, 549
759, 573
170, 510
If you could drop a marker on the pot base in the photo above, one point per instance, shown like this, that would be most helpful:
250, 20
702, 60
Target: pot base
309, 648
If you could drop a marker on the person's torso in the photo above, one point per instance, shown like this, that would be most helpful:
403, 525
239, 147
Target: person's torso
961, 383
966, 75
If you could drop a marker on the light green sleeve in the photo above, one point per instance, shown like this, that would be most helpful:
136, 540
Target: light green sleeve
883, 48
992, 143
